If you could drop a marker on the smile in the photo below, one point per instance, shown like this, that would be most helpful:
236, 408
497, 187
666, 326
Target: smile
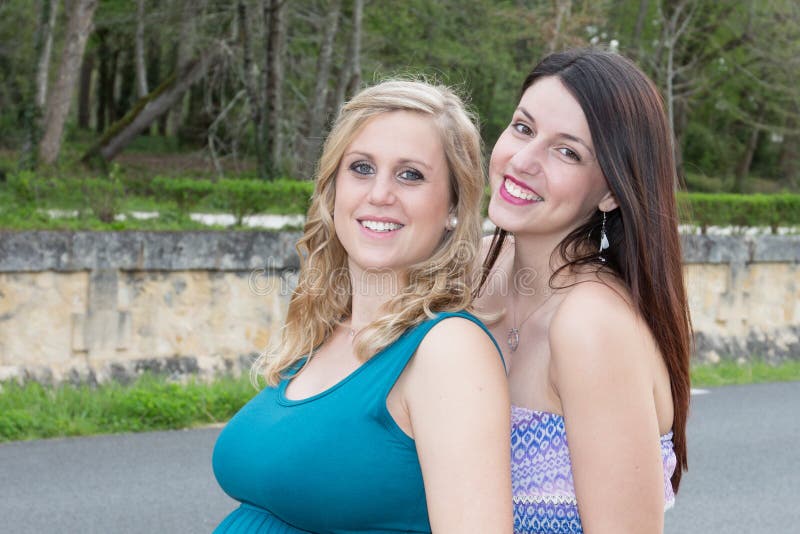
512, 190
380, 226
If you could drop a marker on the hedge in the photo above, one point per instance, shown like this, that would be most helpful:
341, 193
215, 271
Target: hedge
723, 209
243, 197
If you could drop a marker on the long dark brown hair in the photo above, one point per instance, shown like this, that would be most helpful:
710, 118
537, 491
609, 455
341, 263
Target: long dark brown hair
633, 142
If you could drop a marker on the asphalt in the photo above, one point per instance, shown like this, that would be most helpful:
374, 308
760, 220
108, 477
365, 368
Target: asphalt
744, 474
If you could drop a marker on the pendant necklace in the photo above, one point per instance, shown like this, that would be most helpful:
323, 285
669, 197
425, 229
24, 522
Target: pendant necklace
513, 332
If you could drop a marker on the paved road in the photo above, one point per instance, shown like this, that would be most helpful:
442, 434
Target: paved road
744, 463
744, 477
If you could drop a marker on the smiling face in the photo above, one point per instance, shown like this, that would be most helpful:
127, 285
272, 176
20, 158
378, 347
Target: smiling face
544, 173
392, 193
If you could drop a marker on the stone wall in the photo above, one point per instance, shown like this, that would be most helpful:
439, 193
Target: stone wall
88, 306
744, 295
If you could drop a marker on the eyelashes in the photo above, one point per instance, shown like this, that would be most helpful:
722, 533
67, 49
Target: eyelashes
523, 129
365, 168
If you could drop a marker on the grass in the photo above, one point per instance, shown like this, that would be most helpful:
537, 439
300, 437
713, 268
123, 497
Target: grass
755, 372
34, 411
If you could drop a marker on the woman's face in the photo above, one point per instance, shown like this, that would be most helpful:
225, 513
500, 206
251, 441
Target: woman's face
544, 173
392, 193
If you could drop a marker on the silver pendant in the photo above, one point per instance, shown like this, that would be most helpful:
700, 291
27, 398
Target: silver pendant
513, 339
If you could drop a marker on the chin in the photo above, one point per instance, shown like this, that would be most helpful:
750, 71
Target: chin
503, 219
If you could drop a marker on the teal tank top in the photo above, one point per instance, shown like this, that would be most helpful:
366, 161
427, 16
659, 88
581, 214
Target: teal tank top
334, 463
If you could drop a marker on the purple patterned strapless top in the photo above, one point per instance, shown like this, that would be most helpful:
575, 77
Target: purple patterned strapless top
541, 474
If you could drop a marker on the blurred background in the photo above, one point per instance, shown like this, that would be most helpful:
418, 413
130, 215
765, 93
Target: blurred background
247, 88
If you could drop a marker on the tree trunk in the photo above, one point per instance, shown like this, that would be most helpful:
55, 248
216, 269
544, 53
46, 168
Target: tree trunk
49, 12
313, 132
563, 8
276, 42
789, 159
85, 92
141, 66
184, 50
743, 168
58, 104
127, 83
148, 109
637, 31
154, 58
37, 92
251, 86
350, 76
103, 82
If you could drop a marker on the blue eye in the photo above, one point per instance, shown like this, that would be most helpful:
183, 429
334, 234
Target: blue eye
411, 175
362, 167
522, 128
571, 154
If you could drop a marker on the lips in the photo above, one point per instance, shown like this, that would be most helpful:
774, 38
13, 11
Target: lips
516, 192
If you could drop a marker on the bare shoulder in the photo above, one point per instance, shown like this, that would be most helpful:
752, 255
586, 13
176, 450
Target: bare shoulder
457, 341
597, 326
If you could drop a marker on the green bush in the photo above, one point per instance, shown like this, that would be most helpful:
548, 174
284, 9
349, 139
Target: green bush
186, 193
248, 197
103, 197
708, 209
26, 187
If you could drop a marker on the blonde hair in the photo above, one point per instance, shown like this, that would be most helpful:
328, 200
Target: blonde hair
443, 282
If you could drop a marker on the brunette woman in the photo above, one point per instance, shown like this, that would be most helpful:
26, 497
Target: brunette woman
586, 264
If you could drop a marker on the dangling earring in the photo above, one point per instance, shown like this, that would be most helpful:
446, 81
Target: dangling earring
603, 238
452, 222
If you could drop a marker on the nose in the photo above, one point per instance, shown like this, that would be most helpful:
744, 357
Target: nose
528, 158
382, 192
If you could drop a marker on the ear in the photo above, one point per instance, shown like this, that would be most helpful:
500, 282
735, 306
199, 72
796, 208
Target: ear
608, 202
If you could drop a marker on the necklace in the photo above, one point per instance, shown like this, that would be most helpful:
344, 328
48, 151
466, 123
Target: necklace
513, 333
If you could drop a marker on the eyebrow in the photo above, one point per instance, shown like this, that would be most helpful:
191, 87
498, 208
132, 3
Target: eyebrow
404, 161
560, 134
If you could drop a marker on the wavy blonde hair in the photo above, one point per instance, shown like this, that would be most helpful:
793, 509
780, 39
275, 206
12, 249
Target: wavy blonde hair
443, 282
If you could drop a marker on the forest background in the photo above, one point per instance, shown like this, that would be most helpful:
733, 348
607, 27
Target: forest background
247, 88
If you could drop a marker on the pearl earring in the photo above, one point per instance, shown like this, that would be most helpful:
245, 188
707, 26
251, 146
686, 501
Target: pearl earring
452, 222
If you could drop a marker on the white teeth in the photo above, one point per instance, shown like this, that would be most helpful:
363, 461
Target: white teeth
379, 226
515, 191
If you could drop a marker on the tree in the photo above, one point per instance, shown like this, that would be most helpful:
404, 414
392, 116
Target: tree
141, 66
150, 108
313, 132
58, 102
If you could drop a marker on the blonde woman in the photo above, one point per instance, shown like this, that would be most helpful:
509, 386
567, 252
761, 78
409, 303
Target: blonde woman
386, 407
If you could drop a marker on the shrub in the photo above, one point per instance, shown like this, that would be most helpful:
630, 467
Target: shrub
26, 187
707, 209
186, 193
104, 196
248, 197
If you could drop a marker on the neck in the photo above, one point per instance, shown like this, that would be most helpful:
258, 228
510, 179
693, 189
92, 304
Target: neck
534, 264
371, 290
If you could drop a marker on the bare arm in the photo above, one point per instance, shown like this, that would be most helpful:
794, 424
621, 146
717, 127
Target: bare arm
601, 357
458, 404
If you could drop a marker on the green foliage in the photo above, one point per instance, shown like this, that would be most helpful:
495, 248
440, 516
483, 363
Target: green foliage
25, 188
34, 411
185, 192
728, 373
742, 210
248, 197
104, 196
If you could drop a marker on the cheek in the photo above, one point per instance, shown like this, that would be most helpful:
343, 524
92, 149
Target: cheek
502, 152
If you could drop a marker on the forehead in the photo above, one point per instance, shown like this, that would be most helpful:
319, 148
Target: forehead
404, 134
553, 107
